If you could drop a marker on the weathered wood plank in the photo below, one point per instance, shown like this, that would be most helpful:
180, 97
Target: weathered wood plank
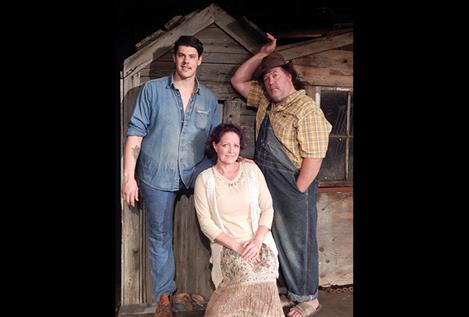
223, 90
347, 47
152, 37
339, 60
219, 47
132, 86
333, 183
247, 125
335, 238
348, 189
136, 310
231, 112
254, 30
191, 249
245, 111
235, 29
316, 33
214, 57
132, 256
164, 43
229, 48
216, 37
173, 22
132, 243
248, 121
315, 46
158, 69
313, 92
225, 58
244, 117
213, 72
325, 76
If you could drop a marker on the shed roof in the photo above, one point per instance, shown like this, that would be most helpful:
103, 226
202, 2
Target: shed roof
243, 31
191, 25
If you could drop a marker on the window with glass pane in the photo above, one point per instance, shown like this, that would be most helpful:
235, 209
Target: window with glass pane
337, 105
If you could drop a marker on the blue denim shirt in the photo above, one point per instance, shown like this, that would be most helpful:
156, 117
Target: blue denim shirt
173, 140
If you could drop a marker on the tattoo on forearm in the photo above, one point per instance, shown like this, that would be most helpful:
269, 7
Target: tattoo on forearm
136, 151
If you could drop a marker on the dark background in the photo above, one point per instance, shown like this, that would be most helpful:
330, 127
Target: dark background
63, 70
139, 18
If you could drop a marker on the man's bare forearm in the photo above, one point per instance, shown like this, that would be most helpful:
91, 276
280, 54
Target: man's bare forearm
308, 172
131, 153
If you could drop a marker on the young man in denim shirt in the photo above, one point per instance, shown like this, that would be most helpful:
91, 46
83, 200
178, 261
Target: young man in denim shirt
171, 121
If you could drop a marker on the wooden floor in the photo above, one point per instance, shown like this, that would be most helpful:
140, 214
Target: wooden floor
335, 304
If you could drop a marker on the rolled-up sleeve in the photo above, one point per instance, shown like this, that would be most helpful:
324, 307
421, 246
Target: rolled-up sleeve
207, 225
140, 119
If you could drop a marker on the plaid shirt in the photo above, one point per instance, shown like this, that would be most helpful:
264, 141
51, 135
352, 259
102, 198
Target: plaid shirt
298, 123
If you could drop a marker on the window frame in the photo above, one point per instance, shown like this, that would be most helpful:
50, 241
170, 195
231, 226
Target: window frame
348, 136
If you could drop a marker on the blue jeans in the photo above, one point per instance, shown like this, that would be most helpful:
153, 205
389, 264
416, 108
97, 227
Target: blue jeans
159, 206
295, 218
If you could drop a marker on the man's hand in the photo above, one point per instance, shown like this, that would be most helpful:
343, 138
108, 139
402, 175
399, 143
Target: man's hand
130, 191
269, 47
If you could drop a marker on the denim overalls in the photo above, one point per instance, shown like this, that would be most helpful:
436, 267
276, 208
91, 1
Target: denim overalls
295, 217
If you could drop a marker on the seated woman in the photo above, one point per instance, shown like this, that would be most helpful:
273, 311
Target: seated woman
235, 212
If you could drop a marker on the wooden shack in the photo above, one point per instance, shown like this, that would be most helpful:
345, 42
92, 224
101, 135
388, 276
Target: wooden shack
326, 63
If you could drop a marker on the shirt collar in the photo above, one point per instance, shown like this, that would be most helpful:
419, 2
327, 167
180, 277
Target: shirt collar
291, 98
171, 84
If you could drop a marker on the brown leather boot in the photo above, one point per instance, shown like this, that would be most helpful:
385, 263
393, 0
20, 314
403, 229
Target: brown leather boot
163, 307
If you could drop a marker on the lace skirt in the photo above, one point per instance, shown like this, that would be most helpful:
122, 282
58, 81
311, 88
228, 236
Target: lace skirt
247, 289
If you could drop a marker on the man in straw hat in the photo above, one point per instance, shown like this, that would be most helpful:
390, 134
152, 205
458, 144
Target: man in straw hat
292, 137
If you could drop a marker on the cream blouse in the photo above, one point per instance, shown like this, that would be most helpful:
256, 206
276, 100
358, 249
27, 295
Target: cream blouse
236, 207
233, 203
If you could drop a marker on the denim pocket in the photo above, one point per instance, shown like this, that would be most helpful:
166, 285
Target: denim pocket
295, 188
201, 118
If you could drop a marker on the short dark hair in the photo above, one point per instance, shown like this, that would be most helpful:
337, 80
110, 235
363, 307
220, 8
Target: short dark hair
218, 132
187, 40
